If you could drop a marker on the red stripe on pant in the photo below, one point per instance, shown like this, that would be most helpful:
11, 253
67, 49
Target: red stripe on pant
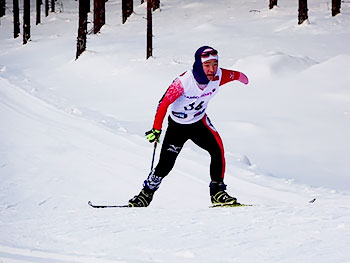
210, 126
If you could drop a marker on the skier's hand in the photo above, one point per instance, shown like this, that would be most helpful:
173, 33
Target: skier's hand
153, 135
243, 78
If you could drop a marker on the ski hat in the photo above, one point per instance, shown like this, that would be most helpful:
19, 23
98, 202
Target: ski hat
197, 69
209, 54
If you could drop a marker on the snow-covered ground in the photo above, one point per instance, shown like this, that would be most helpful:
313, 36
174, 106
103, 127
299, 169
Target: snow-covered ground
72, 131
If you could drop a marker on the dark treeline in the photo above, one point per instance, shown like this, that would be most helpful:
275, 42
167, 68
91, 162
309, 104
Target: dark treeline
99, 16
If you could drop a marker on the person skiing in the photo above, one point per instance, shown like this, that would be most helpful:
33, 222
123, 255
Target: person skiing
188, 97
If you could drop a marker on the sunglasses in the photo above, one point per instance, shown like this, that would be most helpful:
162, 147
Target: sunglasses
206, 54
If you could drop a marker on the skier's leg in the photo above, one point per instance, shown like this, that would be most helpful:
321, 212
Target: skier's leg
206, 137
174, 139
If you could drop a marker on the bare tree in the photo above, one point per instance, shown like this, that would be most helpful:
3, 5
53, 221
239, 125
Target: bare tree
130, 7
149, 28
82, 30
38, 11
99, 15
2, 7
26, 21
155, 4
303, 11
336, 7
16, 24
46, 8
127, 9
272, 4
53, 6
124, 11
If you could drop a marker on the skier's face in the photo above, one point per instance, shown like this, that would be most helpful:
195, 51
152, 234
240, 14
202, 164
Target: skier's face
210, 67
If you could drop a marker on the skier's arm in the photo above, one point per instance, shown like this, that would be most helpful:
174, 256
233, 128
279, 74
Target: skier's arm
231, 75
173, 93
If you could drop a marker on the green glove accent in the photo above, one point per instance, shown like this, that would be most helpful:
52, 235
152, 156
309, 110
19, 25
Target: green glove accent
153, 135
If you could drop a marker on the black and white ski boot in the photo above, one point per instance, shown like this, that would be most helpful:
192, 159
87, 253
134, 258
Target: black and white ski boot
219, 197
150, 185
143, 199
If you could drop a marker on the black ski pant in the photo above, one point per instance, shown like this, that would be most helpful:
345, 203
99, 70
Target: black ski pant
203, 134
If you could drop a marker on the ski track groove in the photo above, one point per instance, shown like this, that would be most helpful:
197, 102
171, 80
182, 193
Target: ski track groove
12, 254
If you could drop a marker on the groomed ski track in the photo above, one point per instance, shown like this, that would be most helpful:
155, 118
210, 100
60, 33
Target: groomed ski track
64, 160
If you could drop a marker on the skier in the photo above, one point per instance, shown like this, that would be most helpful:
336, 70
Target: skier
188, 96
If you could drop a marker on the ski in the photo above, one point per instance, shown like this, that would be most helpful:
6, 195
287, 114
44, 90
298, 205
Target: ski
107, 206
212, 206
228, 205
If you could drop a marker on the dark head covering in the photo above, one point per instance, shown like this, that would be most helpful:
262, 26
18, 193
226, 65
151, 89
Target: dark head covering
197, 69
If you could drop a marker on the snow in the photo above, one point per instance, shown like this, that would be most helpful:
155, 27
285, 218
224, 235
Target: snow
73, 131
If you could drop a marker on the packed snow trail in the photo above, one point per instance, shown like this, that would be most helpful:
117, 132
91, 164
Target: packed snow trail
55, 162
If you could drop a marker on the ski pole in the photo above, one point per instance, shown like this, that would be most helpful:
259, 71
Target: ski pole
154, 153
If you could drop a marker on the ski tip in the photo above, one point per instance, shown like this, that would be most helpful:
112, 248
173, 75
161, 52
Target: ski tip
312, 201
107, 206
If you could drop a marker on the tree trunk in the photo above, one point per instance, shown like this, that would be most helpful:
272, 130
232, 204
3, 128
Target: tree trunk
99, 15
26, 21
38, 11
302, 11
336, 7
149, 29
2, 7
130, 7
127, 9
82, 30
124, 16
16, 23
273, 3
46, 8
155, 4
53, 6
